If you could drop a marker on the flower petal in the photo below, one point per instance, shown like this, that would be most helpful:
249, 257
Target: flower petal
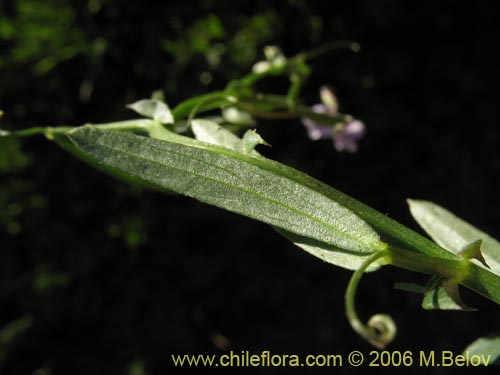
346, 138
329, 99
316, 131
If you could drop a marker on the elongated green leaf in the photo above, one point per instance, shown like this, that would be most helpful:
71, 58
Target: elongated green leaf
213, 133
486, 347
391, 229
453, 233
245, 184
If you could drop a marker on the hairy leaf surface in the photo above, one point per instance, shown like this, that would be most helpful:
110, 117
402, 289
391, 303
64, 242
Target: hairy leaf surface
453, 233
246, 184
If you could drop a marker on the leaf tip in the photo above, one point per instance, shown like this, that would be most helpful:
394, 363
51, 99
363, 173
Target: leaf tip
415, 202
252, 139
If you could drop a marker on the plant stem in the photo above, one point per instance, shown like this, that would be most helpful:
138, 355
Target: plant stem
210, 101
384, 324
264, 106
461, 271
38, 131
483, 281
274, 103
50, 132
252, 78
418, 262
332, 46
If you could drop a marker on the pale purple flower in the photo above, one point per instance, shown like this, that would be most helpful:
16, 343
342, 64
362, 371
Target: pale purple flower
346, 138
316, 131
345, 135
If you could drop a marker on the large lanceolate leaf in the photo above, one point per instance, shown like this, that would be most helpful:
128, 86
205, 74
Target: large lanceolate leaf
246, 184
453, 233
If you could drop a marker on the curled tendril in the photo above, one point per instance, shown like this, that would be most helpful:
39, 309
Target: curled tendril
385, 329
380, 329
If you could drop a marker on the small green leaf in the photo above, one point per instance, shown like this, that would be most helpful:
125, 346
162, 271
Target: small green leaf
211, 132
487, 348
154, 109
237, 116
442, 294
453, 233
250, 140
242, 183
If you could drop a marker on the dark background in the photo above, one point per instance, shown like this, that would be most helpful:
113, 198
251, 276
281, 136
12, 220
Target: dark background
103, 278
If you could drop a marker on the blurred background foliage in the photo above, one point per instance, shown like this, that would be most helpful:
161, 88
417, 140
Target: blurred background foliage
100, 277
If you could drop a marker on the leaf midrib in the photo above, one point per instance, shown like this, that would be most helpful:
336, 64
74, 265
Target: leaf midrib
312, 218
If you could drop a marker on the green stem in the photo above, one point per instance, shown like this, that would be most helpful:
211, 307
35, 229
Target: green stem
252, 78
51, 132
418, 262
39, 130
277, 115
332, 46
265, 106
294, 90
482, 281
461, 271
272, 103
381, 329
209, 101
